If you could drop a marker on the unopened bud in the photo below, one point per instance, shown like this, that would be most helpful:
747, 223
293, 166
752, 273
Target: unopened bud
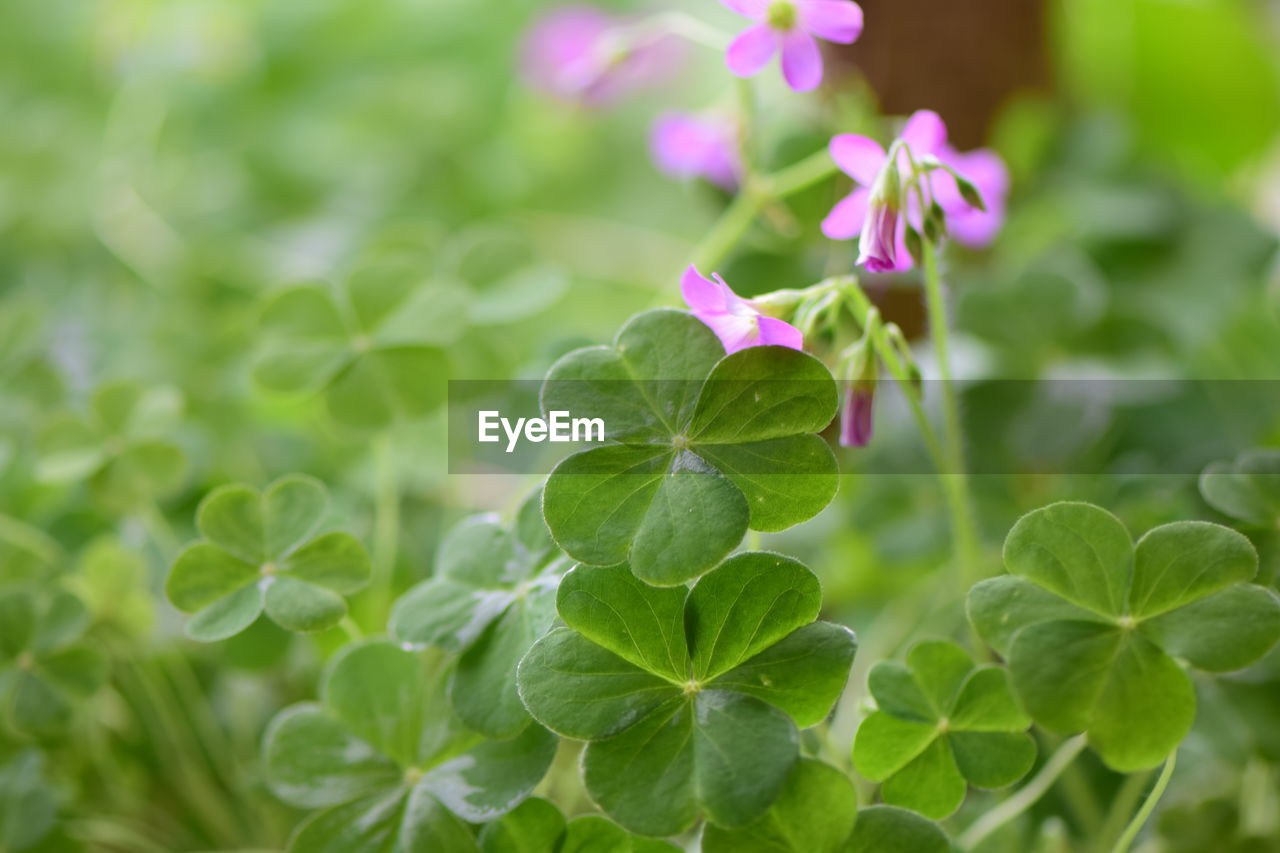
970, 194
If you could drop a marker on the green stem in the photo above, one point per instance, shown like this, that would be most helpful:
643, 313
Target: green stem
160, 530
1026, 797
386, 531
955, 481
1148, 806
30, 539
891, 357
351, 629
756, 193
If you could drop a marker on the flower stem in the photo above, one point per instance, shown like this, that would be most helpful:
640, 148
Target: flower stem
1026, 797
955, 480
386, 530
1148, 806
30, 538
755, 195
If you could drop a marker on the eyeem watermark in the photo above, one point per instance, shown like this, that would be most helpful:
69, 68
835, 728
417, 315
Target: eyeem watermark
557, 427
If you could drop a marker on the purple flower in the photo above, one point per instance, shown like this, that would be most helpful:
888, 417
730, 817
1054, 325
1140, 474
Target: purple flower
689, 146
855, 416
736, 321
878, 245
984, 169
789, 27
863, 159
581, 54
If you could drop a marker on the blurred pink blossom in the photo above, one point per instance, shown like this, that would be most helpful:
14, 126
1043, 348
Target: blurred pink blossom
581, 54
789, 27
982, 167
736, 321
686, 146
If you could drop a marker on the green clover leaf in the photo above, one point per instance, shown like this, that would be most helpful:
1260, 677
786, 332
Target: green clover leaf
1247, 489
537, 826
888, 829
388, 765
260, 553
492, 596
941, 723
28, 804
116, 446
813, 814
111, 580
690, 699
44, 671
1091, 624
728, 440
368, 346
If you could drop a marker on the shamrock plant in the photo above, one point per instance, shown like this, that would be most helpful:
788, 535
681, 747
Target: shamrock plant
387, 763
1247, 488
118, 446
366, 345
695, 693
940, 723
45, 668
728, 438
814, 813
1096, 628
537, 825
492, 596
260, 553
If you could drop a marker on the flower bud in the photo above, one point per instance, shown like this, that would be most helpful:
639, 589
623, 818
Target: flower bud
878, 245
860, 394
855, 418
970, 193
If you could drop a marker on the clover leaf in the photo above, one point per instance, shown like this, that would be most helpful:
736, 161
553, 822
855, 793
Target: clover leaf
492, 596
888, 829
690, 699
44, 670
1247, 489
537, 826
28, 804
367, 346
388, 765
813, 814
116, 446
260, 552
941, 722
726, 440
1091, 624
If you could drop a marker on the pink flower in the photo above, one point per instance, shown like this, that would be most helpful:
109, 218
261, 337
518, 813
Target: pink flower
581, 54
789, 27
863, 159
689, 146
855, 416
984, 169
736, 321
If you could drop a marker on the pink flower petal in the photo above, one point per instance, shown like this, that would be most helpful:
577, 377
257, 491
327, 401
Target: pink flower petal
859, 157
924, 133
702, 294
801, 61
834, 20
751, 50
753, 9
779, 333
691, 146
975, 228
845, 220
